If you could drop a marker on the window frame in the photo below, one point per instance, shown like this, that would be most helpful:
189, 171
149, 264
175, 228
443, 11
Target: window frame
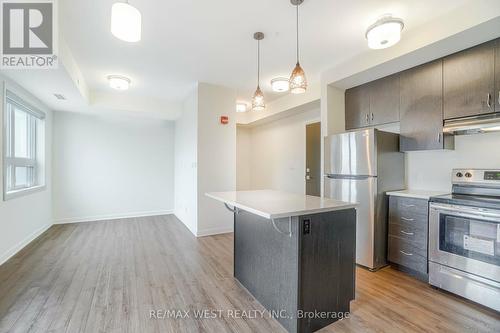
35, 160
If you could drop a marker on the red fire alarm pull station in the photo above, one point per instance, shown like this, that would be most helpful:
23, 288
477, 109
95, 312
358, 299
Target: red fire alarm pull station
224, 120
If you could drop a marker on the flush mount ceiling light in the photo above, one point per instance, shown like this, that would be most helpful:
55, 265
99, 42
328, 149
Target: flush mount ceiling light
280, 84
126, 22
298, 80
258, 103
241, 107
119, 82
384, 33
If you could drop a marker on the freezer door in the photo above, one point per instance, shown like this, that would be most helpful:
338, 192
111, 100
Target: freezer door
351, 153
362, 190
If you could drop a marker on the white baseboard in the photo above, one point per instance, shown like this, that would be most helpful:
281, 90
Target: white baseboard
19, 246
214, 231
112, 216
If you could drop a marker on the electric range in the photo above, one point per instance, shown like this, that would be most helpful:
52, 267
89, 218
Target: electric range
464, 237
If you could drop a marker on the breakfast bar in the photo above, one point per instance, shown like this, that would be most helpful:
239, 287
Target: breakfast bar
295, 254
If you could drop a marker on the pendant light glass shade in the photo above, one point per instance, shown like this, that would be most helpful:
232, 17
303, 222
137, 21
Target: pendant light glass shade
258, 103
298, 80
126, 22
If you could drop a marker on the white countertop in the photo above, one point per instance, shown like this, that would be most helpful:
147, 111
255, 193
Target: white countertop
417, 194
277, 204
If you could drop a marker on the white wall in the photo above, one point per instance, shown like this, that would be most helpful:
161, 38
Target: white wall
107, 167
24, 218
275, 153
205, 159
216, 156
243, 158
186, 150
432, 169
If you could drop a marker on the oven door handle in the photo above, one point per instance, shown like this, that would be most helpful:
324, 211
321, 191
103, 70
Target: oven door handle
469, 213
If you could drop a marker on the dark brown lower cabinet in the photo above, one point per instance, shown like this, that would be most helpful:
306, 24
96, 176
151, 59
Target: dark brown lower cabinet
421, 109
408, 235
305, 279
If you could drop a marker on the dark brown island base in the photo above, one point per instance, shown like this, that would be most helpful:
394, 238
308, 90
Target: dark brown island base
295, 254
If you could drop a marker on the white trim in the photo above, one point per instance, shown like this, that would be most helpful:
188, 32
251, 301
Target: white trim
22, 192
193, 231
19, 246
214, 231
112, 216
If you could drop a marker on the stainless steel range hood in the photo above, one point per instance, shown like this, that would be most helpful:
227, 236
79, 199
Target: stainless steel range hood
472, 125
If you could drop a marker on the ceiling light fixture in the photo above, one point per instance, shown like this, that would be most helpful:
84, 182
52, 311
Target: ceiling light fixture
258, 103
119, 82
298, 80
241, 107
384, 33
280, 84
126, 22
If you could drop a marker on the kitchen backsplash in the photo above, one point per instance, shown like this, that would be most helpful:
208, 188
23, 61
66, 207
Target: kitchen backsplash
432, 169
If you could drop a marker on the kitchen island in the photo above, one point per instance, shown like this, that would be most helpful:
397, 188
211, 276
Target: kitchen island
295, 254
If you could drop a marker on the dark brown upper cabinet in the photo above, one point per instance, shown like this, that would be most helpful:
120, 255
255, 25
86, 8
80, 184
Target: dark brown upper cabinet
372, 104
468, 82
497, 77
384, 100
357, 107
421, 110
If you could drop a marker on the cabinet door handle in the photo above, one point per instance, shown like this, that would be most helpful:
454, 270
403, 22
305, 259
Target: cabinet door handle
439, 137
407, 219
408, 206
373, 117
406, 253
489, 100
407, 233
367, 118
499, 97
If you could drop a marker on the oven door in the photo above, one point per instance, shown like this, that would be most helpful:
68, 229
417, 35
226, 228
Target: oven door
465, 238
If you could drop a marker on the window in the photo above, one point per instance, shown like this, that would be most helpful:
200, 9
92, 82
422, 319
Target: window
24, 147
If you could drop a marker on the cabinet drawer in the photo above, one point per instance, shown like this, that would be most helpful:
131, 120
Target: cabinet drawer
415, 236
406, 254
409, 221
408, 207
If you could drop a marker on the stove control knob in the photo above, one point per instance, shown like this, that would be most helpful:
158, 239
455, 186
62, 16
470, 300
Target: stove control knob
468, 174
459, 175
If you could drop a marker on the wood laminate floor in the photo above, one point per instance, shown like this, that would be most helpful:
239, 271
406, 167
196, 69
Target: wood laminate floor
109, 276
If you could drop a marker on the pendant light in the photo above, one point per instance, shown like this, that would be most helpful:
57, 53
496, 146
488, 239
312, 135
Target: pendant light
298, 81
258, 97
126, 22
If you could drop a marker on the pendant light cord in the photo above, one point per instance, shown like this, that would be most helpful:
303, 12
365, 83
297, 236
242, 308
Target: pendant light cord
297, 7
258, 63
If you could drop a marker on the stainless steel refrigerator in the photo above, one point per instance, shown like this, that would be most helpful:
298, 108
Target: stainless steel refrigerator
360, 167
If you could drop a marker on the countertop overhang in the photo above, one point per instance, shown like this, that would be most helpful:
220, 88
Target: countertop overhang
272, 204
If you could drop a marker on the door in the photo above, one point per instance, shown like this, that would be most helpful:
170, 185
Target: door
357, 107
313, 159
422, 108
468, 82
362, 190
351, 153
384, 100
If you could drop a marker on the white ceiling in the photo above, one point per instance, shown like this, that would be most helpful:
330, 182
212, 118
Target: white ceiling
186, 41
211, 41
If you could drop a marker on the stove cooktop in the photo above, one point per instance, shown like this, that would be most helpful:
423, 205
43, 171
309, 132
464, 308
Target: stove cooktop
468, 200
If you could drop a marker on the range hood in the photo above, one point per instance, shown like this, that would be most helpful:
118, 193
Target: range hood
472, 125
